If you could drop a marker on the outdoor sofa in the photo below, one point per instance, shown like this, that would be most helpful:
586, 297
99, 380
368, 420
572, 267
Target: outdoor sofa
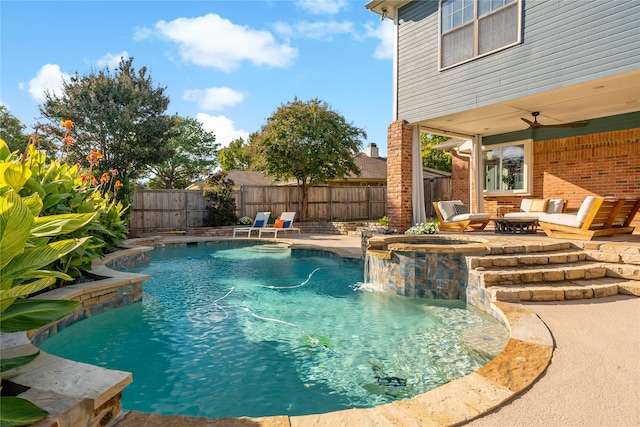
454, 216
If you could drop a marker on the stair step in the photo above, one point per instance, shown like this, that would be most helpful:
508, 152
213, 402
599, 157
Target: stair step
565, 290
526, 259
542, 273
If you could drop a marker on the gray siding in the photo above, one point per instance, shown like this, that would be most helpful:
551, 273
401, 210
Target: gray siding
564, 42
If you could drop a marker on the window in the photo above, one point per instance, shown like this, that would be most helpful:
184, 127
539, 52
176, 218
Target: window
506, 168
473, 28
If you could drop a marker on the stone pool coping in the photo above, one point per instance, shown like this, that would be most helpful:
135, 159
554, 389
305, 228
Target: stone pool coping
525, 357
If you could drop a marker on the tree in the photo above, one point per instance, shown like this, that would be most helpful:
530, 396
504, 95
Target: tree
194, 150
222, 207
308, 142
12, 130
433, 158
120, 115
235, 156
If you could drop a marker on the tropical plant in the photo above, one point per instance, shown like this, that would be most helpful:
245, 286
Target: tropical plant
308, 142
27, 247
65, 189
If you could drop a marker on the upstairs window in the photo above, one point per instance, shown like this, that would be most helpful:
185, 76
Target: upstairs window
473, 28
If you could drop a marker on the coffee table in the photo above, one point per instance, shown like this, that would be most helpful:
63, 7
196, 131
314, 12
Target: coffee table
515, 225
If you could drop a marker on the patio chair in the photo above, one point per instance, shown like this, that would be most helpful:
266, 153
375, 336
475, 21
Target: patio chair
284, 223
454, 216
535, 208
597, 217
259, 222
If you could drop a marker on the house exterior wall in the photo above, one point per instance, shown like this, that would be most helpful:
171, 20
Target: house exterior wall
600, 164
399, 175
599, 39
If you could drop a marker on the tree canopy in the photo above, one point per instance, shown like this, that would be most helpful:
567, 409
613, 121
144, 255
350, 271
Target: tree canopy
120, 115
308, 142
12, 130
433, 158
194, 150
235, 156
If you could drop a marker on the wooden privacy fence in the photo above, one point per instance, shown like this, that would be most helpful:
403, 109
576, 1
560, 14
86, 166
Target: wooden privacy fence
435, 190
165, 210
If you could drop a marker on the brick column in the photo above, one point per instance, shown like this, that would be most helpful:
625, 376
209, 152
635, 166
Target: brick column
399, 157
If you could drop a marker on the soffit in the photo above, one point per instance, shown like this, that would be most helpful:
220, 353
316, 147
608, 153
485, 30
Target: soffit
597, 98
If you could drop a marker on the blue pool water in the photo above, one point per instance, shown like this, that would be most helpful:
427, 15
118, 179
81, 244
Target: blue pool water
252, 331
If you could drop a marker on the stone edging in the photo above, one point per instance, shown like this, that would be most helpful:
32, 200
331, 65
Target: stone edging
74, 393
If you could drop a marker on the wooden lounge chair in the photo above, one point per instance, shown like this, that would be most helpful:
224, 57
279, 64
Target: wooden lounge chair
260, 221
597, 217
454, 216
284, 223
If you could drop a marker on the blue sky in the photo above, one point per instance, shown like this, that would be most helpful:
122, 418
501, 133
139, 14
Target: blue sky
229, 64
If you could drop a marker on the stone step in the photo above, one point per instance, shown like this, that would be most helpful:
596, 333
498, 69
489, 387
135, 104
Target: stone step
526, 259
533, 274
565, 290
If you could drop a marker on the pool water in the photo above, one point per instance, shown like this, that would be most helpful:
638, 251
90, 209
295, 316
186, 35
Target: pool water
228, 331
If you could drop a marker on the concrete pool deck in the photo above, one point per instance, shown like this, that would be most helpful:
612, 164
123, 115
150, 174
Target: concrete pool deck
592, 378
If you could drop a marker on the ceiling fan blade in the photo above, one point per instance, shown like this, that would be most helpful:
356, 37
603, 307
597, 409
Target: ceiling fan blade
530, 123
568, 125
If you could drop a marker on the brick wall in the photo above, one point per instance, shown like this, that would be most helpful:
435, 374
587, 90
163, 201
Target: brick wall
601, 164
399, 158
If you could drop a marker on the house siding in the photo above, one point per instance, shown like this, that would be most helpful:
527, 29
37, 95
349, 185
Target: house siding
564, 42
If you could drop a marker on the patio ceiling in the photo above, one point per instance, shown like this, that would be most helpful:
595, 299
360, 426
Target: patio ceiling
597, 98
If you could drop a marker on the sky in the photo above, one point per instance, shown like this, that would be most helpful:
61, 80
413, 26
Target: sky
229, 64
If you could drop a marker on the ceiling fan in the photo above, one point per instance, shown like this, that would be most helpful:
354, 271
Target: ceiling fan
535, 125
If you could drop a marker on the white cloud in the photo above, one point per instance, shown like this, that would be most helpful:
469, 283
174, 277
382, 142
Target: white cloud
211, 41
111, 60
223, 128
142, 33
50, 78
384, 33
214, 98
314, 30
322, 7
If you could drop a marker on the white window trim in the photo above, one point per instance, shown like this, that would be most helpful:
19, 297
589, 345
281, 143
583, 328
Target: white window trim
474, 22
528, 169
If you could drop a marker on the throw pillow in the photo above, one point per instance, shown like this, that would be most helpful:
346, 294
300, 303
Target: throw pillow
279, 223
286, 224
539, 205
460, 209
258, 223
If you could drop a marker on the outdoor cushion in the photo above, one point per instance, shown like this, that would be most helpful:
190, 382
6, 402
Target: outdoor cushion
525, 215
258, 223
555, 206
585, 207
471, 216
279, 223
538, 205
446, 208
460, 209
568, 219
286, 224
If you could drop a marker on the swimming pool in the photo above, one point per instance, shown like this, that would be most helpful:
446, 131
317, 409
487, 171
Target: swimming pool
229, 331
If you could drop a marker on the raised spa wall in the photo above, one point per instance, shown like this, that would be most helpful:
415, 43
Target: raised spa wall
433, 267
